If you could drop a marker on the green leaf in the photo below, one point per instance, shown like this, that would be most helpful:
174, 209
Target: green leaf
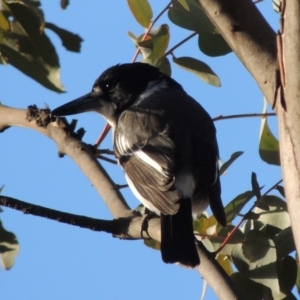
280, 189
200, 224
227, 164
162, 64
192, 18
213, 44
298, 275
237, 237
155, 44
256, 259
9, 247
160, 37
70, 41
276, 213
268, 144
142, 11
28, 48
145, 46
64, 3
276, 5
184, 4
225, 263
287, 274
152, 244
236, 205
199, 68
249, 289
284, 242
4, 23
255, 185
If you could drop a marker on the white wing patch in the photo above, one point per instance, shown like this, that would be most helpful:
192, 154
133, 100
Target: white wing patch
144, 201
148, 160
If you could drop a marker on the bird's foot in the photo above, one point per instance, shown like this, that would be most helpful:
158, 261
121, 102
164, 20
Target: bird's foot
144, 228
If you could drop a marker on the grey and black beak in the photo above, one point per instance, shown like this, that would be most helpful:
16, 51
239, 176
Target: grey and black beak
88, 102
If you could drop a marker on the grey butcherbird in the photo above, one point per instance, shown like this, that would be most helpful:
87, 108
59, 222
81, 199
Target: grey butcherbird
166, 143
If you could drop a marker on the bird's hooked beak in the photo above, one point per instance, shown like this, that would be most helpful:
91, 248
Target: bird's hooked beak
88, 102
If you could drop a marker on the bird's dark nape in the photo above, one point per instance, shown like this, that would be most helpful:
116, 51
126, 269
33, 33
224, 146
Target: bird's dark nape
177, 237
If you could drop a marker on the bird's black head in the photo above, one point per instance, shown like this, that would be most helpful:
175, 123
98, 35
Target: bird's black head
116, 89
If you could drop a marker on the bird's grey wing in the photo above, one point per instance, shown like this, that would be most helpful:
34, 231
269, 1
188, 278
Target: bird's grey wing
147, 155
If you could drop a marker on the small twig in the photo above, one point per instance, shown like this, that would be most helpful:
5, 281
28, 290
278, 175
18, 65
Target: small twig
243, 219
243, 116
107, 159
149, 29
105, 151
62, 217
128, 227
180, 43
121, 186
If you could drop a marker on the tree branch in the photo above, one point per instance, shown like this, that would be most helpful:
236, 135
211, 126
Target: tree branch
77, 150
215, 275
130, 228
289, 111
250, 37
125, 228
127, 224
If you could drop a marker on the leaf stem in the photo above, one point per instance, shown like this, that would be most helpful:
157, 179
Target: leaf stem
149, 29
180, 43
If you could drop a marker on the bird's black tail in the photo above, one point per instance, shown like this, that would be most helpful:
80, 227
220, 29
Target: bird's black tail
177, 237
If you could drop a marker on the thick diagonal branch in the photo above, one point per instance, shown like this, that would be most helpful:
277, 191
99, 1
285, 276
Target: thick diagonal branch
77, 150
250, 37
289, 113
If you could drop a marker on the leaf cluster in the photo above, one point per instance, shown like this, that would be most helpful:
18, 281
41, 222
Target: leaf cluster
25, 44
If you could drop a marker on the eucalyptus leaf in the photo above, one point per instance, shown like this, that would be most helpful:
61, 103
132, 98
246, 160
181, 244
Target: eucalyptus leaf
28, 48
184, 4
160, 37
256, 259
237, 237
268, 144
9, 247
142, 11
162, 64
152, 244
284, 242
287, 274
199, 68
70, 41
232, 158
213, 44
255, 185
192, 18
249, 289
276, 215
236, 205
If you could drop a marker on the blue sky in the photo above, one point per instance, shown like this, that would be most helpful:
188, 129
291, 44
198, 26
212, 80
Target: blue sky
58, 261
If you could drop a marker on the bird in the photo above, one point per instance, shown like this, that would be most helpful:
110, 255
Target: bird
165, 141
